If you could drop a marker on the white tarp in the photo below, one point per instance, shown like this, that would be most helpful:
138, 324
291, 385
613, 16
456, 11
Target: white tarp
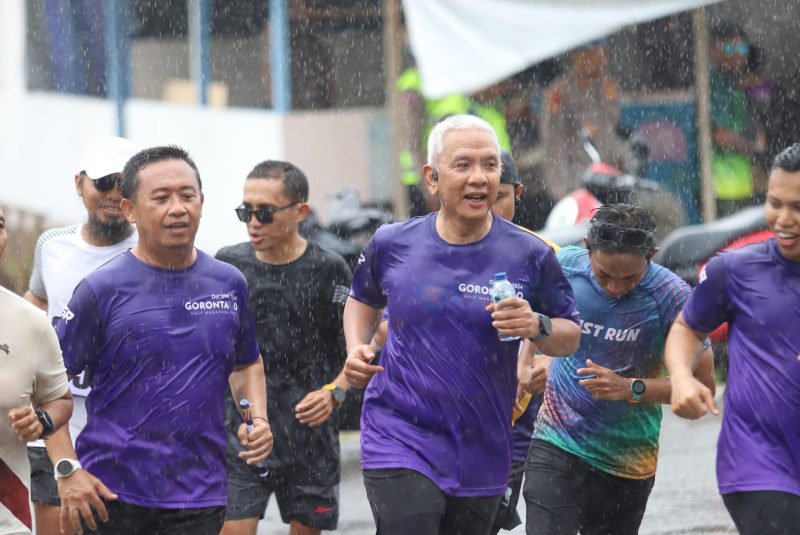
466, 45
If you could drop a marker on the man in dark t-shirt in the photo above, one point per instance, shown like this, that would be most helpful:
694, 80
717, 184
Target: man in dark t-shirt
297, 294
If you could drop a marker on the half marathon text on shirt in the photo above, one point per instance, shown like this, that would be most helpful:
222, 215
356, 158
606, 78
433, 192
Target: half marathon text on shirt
214, 304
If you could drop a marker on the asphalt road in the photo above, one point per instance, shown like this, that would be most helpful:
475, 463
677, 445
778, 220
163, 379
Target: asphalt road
684, 498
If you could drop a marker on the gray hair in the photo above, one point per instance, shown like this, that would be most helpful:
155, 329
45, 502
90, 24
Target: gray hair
455, 122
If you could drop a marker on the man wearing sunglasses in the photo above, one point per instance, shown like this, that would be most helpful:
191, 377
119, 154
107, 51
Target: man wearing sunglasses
63, 257
297, 294
593, 457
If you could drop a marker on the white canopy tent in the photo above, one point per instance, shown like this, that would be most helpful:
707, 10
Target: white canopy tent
461, 46
466, 45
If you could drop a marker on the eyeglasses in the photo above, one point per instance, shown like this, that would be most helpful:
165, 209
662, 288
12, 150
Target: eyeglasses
731, 49
603, 233
263, 214
105, 183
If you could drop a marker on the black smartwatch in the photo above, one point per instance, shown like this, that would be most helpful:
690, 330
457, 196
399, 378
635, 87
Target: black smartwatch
48, 427
545, 327
338, 394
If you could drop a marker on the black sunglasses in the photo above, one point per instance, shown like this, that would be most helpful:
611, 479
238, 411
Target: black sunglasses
105, 183
263, 214
610, 234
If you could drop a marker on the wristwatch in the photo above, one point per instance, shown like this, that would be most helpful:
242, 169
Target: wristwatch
48, 427
637, 387
337, 393
66, 467
545, 327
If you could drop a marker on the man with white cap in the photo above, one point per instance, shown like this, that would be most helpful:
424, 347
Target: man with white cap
63, 257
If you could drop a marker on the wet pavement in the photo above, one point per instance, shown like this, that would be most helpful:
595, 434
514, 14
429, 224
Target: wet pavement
684, 498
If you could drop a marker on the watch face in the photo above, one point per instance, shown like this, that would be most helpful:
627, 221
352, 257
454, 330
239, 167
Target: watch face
64, 468
338, 395
638, 387
546, 325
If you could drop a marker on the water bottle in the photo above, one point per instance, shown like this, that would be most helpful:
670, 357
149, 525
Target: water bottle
500, 290
261, 466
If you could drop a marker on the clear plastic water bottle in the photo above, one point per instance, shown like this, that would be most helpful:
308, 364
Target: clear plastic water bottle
500, 290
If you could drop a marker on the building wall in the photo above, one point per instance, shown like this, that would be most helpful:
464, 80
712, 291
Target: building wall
42, 138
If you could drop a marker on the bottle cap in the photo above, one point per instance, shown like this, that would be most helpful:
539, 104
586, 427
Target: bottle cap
500, 275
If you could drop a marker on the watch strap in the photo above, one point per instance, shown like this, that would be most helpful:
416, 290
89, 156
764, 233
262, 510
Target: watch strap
545, 327
48, 427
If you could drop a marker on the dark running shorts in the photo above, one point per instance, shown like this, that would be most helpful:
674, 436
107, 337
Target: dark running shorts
313, 504
44, 490
405, 502
564, 494
764, 512
126, 519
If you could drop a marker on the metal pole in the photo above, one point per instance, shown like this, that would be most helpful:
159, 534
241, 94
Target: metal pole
200, 46
703, 97
118, 63
280, 56
393, 63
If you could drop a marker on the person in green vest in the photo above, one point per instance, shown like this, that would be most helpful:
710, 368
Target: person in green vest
734, 149
421, 114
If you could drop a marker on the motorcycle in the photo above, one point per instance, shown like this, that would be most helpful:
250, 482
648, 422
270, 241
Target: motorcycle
350, 225
605, 184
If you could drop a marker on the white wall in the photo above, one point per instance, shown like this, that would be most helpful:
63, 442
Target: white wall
42, 138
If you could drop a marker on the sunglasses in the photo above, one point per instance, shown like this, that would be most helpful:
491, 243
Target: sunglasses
106, 183
732, 49
263, 214
611, 234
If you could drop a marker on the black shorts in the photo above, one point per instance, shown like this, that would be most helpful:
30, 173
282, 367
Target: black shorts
404, 502
507, 517
44, 490
314, 502
764, 512
564, 494
126, 519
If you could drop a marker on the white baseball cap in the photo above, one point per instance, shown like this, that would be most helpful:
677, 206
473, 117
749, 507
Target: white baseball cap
107, 155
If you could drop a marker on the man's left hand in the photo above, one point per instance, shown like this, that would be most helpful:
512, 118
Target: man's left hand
25, 423
258, 441
513, 316
315, 408
606, 384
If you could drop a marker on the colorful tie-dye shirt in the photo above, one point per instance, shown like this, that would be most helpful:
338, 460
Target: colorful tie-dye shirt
624, 334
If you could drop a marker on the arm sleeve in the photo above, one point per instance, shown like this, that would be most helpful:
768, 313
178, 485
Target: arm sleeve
366, 281
79, 330
552, 293
247, 349
51, 377
36, 284
709, 305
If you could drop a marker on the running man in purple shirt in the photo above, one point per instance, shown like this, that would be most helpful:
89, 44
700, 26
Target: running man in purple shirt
435, 425
162, 331
757, 290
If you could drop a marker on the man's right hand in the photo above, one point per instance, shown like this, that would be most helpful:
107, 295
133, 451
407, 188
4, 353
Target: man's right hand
80, 493
690, 398
357, 368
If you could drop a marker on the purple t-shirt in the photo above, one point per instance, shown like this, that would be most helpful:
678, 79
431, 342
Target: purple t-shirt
757, 290
443, 404
158, 347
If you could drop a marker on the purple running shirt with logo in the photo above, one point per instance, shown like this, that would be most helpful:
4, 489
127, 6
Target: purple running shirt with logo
443, 404
158, 347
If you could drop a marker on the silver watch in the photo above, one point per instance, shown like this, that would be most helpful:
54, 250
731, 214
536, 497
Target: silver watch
66, 467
